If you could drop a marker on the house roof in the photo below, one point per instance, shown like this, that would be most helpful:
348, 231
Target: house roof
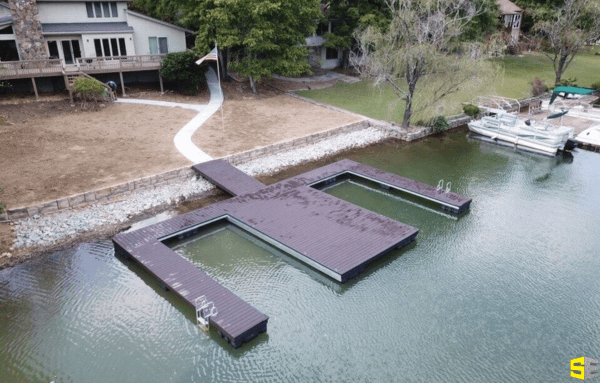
130, 12
507, 7
6, 20
64, 28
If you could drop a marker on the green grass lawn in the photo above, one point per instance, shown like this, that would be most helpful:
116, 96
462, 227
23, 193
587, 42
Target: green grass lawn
514, 81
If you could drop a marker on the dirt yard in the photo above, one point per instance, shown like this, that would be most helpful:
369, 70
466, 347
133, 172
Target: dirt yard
251, 121
51, 150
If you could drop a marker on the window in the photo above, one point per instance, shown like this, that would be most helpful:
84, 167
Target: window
162, 45
158, 45
53, 49
90, 9
122, 47
322, 29
331, 54
6, 30
114, 46
98, 47
106, 9
110, 47
98, 8
106, 47
68, 50
102, 9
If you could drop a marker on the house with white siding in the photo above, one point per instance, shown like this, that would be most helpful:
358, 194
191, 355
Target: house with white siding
42, 38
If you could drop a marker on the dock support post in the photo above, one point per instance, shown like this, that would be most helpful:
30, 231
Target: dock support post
162, 90
122, 84
37, 96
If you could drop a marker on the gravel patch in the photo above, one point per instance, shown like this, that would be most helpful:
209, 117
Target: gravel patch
274, 163
50, 229
47, 230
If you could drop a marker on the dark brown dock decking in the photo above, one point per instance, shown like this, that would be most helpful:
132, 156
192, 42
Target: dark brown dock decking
227, 177
333, 236
449, 201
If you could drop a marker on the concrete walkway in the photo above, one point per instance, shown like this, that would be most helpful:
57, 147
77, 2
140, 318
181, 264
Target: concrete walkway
183, 138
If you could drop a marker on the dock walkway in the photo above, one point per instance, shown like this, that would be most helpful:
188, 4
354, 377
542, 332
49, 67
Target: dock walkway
332, 236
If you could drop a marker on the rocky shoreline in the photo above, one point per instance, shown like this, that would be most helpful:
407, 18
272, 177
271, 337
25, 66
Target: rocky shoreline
46, 233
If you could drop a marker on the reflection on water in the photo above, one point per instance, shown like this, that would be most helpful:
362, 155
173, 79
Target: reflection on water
506, 293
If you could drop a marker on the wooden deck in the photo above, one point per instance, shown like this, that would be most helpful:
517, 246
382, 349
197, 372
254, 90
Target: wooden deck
450, 201
228, 178
332, 236
91, 65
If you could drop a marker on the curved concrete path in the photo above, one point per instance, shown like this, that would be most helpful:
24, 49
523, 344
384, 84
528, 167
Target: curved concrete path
183, 138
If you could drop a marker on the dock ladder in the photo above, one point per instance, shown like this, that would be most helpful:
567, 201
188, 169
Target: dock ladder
204, 310
440, 186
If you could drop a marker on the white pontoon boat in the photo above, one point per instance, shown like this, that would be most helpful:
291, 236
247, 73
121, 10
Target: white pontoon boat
534, 136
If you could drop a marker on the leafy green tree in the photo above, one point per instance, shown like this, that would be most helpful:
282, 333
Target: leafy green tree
181, 66
167, 10
264, 36
422, 50
567, 30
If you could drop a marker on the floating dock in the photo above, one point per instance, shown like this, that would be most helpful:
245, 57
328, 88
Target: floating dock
333, 236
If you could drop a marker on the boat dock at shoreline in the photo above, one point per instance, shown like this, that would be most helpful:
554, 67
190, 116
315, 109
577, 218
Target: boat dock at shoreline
333, 236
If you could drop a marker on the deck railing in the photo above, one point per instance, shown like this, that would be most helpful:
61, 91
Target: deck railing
56, 67
30, 68
119, 63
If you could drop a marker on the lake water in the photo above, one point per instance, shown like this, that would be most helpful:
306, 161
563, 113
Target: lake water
508, 292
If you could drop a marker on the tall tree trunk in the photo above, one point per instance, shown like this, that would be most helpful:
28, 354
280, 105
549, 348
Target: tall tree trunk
252, 84
560, 69
412, 79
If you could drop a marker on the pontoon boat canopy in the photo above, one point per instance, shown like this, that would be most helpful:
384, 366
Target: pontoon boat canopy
569, 90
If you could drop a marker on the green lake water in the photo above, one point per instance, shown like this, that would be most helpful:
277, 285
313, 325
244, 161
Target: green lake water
507, 292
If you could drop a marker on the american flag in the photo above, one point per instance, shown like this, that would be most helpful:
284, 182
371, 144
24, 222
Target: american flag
213, 55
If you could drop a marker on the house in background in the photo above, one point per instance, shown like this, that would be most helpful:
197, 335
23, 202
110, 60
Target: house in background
47, 38
320, 56
511, 15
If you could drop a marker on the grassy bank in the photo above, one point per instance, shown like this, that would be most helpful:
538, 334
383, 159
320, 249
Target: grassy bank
516, 76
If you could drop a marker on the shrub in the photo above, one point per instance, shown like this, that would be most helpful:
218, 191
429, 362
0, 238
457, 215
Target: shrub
182, 66
471, 110
88, 89
595, 86
2, 207
537, 87
439, 124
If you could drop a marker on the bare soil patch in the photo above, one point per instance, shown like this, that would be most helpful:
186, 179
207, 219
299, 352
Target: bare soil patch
151, 93
51, 150
250, 121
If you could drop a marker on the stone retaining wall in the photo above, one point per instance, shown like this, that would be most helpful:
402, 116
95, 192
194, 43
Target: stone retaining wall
116, 192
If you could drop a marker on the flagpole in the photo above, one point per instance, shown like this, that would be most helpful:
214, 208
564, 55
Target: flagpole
220, 88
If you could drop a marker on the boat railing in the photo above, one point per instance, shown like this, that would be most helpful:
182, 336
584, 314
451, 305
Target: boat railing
498, 104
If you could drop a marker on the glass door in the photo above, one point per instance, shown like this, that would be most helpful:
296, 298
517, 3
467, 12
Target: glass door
67, 52
71, 50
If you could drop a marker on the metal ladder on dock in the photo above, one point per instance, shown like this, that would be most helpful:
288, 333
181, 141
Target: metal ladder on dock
440, 186
204, 310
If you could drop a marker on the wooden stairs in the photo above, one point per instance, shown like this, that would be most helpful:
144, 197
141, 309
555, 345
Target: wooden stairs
70, 80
